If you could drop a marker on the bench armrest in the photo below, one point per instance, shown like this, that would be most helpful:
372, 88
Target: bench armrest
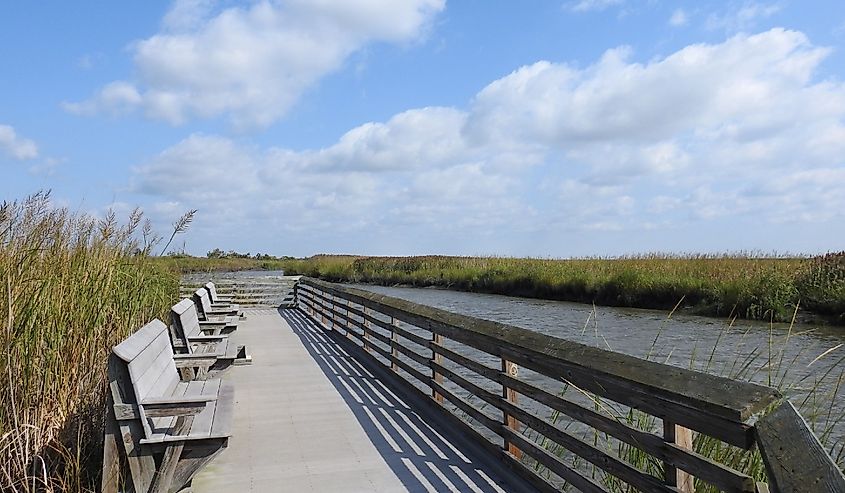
207, 338
191, 360
176, 406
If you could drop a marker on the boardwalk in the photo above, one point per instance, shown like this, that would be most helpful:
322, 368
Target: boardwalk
309, 417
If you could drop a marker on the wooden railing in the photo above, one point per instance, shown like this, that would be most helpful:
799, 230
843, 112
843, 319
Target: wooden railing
630, 421
261, 291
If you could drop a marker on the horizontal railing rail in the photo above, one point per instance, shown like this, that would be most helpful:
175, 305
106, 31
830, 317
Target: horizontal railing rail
271, 291
509, 388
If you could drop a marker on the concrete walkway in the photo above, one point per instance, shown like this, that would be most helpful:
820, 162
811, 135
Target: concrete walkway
309, 417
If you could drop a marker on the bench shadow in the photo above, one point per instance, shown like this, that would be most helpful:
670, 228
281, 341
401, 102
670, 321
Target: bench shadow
423, 458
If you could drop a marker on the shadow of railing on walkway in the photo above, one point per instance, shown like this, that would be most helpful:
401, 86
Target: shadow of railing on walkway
421, 457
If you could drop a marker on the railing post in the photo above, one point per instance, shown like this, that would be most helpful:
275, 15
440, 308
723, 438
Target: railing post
681, 437
393, 351
366, 329
436, 340
510, 369
322, 312
347, 325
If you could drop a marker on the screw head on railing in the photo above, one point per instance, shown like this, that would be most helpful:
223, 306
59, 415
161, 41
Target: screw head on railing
513, 370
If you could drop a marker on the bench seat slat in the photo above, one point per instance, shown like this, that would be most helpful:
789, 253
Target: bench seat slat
202, 422
222, 425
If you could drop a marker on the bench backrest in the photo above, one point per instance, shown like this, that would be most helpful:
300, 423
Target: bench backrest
186, 322
202, 302
149, 360
212, 291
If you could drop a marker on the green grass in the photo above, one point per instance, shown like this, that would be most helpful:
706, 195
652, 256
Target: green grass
72, 287
748, 286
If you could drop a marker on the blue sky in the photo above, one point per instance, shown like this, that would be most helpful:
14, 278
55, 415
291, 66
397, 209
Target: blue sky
540, 128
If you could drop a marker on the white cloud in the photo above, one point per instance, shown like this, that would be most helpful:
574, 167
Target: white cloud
700, 88
738, 129
116, 98
251, 63
679, 18
592, 5
743, 17
14, 145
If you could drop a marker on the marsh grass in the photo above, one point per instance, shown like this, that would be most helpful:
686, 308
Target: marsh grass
72, 287
185, 264
815, 394
746, 285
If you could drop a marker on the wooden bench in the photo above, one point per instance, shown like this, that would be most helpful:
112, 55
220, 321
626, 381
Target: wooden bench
208, 313
192, 336
158, 429
222, 303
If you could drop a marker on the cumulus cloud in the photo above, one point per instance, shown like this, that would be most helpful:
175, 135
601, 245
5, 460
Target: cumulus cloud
741, 128
16, 146
251, 63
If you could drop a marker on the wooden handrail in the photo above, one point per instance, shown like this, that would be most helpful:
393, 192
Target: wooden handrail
416, 341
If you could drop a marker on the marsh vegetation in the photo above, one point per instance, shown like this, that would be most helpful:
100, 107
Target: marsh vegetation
743, 285
73, 286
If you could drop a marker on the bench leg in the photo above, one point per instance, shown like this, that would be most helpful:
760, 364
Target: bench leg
243, 357
111, 454
141, 464
162, 482
195, 459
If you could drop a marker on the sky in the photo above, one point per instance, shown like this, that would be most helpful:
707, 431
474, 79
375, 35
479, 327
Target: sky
406, 127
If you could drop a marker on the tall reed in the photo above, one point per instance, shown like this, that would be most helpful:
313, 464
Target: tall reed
72, 287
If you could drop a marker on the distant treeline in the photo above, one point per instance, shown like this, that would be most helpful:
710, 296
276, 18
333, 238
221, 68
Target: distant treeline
745, 286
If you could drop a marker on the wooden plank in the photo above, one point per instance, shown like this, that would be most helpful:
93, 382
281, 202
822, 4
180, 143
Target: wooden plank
164, 475
682, 437
110, 476
509, 421
490, 423
416, 339
137, 342
608, 463
706, 469
542, 484
203, 422
795, 459
481, 369
733, 432
482, 393
436, 362
141, 466
555, 465
160, 378
224, 412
